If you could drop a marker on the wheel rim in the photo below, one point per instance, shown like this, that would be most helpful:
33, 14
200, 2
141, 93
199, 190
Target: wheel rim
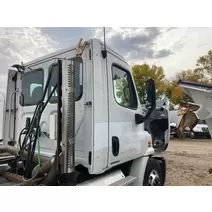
154, 178
191, 134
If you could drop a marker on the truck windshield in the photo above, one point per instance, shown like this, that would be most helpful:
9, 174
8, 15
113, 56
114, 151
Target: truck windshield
201, 121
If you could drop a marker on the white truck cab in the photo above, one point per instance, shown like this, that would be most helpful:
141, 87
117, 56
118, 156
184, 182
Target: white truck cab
114, 135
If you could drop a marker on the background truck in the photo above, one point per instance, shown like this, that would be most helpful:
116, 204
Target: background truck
201, 94
73, 117
185, 122
200, 130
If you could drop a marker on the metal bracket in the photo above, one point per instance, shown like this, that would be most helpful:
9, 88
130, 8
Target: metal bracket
80, 47
20, 68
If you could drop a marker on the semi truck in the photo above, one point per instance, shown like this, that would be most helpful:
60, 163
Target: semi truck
73, 118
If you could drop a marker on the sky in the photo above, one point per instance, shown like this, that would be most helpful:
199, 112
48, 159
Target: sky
173, 48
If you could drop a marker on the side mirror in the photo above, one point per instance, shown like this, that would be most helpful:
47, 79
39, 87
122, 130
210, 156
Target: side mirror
150, 101
151, 95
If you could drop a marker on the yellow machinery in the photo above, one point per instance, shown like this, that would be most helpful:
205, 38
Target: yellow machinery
189, 118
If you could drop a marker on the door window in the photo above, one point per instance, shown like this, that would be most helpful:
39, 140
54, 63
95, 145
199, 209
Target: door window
123, 88
78, 80
32, 87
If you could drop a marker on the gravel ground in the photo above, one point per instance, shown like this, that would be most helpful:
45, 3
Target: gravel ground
188, 162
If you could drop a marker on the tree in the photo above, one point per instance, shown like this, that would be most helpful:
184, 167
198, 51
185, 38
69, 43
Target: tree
175, 92
204, 64
122, 92
195, 75
142, 73
202, 74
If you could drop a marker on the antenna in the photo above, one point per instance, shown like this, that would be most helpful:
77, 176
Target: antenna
104, 38
104, 51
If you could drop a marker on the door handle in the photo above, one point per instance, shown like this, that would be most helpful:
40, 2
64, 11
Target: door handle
115, 146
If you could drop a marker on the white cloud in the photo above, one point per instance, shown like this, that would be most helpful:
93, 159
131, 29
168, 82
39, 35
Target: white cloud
188, 44
185, 46
173, 48
21, 45
135, 43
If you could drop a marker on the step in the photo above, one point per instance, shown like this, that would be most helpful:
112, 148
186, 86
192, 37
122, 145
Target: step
9, 184
125, 181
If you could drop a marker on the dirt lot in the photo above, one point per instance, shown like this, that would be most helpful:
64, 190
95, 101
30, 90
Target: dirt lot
188, 162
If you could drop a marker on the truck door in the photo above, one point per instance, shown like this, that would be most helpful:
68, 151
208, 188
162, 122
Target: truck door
127, 140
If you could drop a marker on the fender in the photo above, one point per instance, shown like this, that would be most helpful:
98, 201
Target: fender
138, 169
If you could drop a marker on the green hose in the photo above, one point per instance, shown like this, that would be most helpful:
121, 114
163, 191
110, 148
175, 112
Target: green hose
38, 166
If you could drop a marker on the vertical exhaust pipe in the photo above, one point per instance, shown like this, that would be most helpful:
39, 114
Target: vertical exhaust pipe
71, 116
69, 120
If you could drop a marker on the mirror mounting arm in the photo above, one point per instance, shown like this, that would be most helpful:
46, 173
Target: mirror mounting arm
139, 119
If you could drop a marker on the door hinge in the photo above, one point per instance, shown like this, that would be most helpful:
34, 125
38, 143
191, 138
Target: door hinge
88, 103
12, 110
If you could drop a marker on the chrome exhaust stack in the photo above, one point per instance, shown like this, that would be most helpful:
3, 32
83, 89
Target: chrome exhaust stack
68, 147
71, 117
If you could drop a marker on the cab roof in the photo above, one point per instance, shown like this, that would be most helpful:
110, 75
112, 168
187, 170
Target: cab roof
59, 52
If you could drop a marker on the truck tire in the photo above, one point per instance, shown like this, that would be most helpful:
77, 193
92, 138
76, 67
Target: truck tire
153, 174
192, 135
